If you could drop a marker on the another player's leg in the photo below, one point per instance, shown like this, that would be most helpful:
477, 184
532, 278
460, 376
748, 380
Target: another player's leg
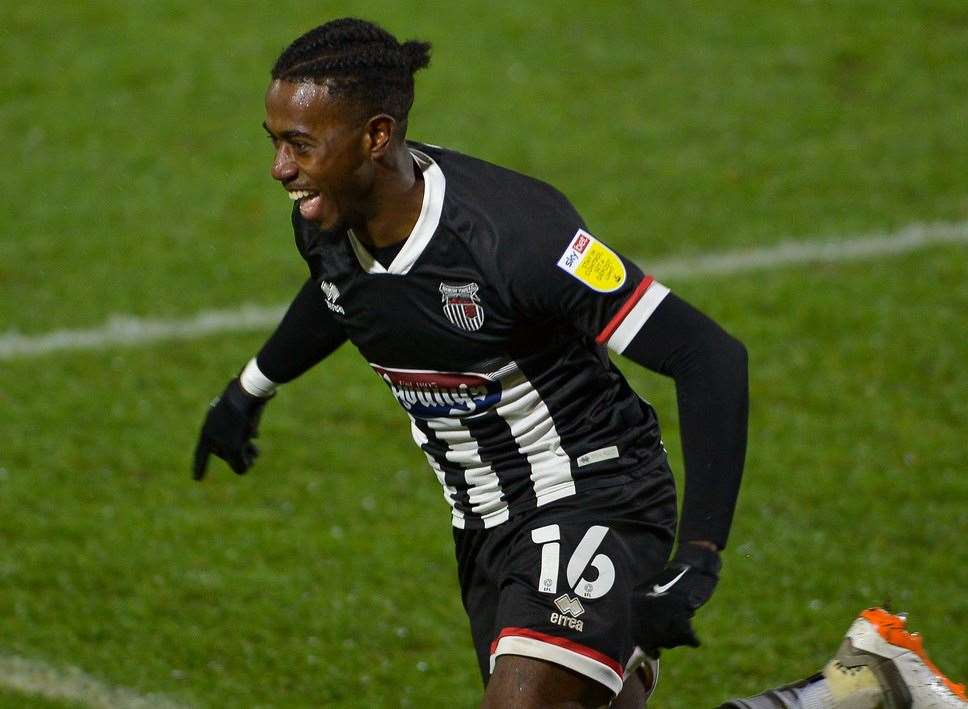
879, 665
641, 678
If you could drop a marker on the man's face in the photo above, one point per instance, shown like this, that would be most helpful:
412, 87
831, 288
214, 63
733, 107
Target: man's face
320, 152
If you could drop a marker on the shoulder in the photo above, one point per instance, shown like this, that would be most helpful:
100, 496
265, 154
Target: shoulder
503, 196
511, 218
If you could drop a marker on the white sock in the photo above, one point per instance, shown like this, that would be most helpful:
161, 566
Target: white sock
814, 696
837, 688
810, 694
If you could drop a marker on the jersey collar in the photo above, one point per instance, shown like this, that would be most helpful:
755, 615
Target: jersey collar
433, 203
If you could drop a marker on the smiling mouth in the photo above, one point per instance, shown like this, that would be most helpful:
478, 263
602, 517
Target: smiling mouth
309, 204
296, 195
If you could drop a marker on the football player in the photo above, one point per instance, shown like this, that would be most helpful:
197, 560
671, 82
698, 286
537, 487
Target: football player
487, 306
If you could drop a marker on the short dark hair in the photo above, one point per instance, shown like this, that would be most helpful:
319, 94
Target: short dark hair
357, 61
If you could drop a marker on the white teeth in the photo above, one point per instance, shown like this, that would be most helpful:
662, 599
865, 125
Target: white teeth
299, 194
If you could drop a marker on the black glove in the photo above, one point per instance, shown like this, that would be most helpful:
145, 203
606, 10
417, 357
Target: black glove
231, 423
666, 603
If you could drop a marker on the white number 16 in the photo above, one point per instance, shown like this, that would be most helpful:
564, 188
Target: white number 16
549, 537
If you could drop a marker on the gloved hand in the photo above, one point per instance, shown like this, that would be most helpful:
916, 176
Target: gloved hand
231, 423
666, 603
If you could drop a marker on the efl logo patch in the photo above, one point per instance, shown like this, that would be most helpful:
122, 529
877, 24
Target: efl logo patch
462, 305
593, 263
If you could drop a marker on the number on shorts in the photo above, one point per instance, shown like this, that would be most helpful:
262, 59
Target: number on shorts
549, 538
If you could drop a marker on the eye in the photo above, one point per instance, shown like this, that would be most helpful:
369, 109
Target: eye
300, 148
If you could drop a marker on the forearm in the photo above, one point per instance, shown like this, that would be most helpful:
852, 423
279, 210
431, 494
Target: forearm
709, 368
711, 389
306, 334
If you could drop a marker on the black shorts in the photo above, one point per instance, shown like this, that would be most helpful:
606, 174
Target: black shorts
556, 583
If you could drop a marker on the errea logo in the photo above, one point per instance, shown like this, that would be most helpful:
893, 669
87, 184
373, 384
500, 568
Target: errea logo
568, 606
332, 293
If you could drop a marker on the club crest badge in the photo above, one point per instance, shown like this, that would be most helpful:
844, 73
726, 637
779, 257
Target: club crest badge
462, 306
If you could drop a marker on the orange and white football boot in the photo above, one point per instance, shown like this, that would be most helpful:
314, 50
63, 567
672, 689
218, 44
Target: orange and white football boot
877, 646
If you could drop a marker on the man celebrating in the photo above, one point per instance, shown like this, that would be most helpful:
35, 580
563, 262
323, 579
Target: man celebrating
486, 304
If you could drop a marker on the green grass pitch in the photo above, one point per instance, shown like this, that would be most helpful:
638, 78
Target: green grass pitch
136, 182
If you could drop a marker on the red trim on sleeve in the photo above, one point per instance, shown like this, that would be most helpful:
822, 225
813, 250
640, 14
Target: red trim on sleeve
626, 308
588, 652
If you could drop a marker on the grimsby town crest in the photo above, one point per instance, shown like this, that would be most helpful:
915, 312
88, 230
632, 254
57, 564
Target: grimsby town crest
462, 305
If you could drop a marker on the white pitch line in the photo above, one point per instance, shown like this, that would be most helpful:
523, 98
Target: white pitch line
128, 330
790, 253
124, 330
34, 678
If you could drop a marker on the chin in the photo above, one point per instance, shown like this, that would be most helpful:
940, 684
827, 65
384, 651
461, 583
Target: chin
331, 224
325, 222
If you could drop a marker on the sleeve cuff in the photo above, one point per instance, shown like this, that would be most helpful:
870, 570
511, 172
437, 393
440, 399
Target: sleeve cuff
256, 383
630, 318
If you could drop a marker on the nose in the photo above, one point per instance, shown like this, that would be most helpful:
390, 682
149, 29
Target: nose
284, 168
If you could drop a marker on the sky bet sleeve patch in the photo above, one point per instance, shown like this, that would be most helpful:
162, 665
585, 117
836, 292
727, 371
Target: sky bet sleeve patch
593, 263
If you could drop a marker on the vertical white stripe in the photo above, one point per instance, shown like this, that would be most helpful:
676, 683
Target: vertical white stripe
537, 439
636, 318
483, 484
419, 437
449, 491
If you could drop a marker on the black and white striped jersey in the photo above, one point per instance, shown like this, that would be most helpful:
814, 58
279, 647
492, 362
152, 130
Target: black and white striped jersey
489, 328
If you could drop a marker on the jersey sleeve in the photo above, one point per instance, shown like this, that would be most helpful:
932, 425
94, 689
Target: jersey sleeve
564, 271
709, 367
307, 334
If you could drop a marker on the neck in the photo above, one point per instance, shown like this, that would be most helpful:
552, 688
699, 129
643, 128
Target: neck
397, 200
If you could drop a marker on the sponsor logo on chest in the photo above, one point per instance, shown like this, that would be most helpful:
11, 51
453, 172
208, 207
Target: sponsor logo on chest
462, 305
432, 394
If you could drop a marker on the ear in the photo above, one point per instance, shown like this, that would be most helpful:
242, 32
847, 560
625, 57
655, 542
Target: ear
378, 135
